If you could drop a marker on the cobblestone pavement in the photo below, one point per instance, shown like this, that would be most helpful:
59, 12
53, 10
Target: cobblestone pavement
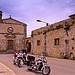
4, 70
58, 66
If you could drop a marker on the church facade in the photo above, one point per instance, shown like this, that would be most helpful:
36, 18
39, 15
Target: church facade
12, 34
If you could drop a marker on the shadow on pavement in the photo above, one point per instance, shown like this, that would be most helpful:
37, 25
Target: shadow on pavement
36, 72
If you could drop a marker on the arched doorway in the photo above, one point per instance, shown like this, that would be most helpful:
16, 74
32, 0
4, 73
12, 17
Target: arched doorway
28, 46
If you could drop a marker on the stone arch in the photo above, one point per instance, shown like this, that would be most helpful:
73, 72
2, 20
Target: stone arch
28, 46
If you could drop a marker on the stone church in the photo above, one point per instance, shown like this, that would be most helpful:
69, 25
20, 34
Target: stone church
12, 34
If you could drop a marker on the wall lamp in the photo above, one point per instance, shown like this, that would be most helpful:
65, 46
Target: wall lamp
43, 22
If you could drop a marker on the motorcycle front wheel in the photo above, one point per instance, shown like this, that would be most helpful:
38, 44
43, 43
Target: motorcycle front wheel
19, 63
46, 70
29, 68
14, 62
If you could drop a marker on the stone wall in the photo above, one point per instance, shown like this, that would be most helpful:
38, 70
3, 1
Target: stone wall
64, 30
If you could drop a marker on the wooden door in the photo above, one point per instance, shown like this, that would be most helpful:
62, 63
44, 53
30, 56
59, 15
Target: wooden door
10, 44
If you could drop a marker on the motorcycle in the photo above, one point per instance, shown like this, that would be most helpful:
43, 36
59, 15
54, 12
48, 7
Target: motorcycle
17, 60
38, 65
24, 58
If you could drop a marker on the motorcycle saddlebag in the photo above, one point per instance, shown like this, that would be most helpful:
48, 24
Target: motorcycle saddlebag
31, 58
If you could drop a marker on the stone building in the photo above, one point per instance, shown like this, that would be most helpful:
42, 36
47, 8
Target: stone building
12, 34
55, 40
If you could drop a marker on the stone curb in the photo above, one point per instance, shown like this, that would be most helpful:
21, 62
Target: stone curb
10, 72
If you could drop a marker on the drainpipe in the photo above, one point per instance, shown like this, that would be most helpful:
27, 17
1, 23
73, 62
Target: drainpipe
44, 52
67, 28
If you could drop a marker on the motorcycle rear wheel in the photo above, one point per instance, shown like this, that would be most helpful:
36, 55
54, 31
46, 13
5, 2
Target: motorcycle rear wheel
46, 70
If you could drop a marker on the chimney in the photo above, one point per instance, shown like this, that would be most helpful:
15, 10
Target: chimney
0, 16
72, 16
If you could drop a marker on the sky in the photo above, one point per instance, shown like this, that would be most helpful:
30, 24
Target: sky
29, 11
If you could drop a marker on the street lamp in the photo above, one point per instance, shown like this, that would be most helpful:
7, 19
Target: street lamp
44, 36
43, 22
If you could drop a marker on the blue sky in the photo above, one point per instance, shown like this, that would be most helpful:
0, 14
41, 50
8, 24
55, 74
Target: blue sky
28, 11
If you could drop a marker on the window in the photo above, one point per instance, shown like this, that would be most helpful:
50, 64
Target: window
56, 41
38, 42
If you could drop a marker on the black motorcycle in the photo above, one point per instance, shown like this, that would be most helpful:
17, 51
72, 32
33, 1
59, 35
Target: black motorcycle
38, 65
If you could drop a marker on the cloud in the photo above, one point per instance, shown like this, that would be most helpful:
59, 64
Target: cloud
67, 11
29, 11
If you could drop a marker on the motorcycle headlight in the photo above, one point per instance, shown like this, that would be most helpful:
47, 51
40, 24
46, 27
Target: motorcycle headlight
24, 53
